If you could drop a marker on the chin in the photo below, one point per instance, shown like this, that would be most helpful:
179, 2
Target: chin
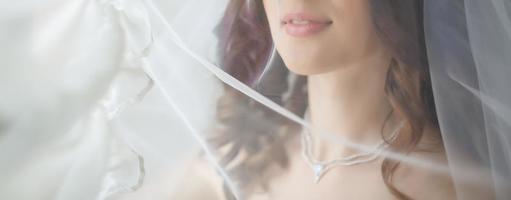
307, 67
311, 59
307, 71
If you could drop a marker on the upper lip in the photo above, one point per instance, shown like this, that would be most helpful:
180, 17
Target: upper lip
304, 17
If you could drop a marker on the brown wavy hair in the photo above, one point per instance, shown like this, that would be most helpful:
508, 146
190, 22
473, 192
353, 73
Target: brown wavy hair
245, 45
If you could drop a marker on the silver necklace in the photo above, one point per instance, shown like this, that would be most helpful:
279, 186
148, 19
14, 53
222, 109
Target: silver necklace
320, 168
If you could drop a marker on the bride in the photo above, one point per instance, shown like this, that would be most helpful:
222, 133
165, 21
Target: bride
367, 80
297, 99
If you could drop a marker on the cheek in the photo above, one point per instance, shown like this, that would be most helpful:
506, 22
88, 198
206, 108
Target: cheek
272, 14
355, 34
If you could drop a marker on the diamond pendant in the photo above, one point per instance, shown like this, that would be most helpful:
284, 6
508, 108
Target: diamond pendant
318, 172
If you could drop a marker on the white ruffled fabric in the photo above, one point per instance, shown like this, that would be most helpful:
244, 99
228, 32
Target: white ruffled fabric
71, 118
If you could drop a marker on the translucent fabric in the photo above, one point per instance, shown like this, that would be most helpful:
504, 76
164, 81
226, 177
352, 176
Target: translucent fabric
469, 60
141, 99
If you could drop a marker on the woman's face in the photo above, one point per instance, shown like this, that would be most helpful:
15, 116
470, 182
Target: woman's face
318, 36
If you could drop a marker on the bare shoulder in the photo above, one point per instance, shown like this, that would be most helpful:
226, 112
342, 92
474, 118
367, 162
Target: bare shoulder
200, 181
443, 180
422, 182
429, 179
467, 180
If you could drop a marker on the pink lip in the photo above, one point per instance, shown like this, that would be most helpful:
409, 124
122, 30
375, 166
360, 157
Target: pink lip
315, 24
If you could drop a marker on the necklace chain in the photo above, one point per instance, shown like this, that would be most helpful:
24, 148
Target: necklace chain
320, 168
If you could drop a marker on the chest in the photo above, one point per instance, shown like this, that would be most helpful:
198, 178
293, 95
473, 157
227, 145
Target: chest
341, 182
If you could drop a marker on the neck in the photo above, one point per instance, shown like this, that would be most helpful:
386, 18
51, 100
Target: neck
351, 100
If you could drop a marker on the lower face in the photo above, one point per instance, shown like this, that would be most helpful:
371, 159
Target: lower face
319, 36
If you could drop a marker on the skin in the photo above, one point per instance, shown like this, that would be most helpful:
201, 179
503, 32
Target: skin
346, 65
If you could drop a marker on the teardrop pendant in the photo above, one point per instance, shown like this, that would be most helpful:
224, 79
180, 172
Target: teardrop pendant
318, 172
321, 168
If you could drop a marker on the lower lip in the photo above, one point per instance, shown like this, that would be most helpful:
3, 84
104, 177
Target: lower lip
304, 30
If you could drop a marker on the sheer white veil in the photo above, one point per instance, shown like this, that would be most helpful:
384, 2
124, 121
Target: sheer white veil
116, 99
468, 47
